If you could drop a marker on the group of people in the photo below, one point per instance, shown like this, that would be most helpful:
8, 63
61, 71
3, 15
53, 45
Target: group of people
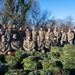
13, 38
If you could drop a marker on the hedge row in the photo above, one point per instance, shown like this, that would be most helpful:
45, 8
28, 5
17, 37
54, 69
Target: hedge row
59, 61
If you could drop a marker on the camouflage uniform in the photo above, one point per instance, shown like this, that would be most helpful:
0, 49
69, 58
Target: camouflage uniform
28, 45
34, 35
27, 33
40, 46
70, 37
41, 34
47, 44
16, 45
4, 47
63, 37
50, 34
57, 34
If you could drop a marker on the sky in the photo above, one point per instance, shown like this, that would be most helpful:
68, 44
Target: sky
59, 8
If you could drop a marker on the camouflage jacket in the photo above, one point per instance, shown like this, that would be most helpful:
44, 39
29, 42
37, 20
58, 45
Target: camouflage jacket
4, 47
28, 45
42, 35
47, 44
40, 45
34, 35
16, 45
50, 34
70, 36
63, 37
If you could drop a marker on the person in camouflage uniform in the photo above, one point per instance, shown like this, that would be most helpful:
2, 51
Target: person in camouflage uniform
63, 37
56, 32
27, 33
70, 36
50, 34
41, 33
15, 43
34, 34
40, 45
4, 46
47, 43
28, 44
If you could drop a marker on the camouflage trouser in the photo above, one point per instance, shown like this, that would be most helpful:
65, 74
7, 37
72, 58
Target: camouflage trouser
42, 38
1, 52
4, 53
70, 41
41, 50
